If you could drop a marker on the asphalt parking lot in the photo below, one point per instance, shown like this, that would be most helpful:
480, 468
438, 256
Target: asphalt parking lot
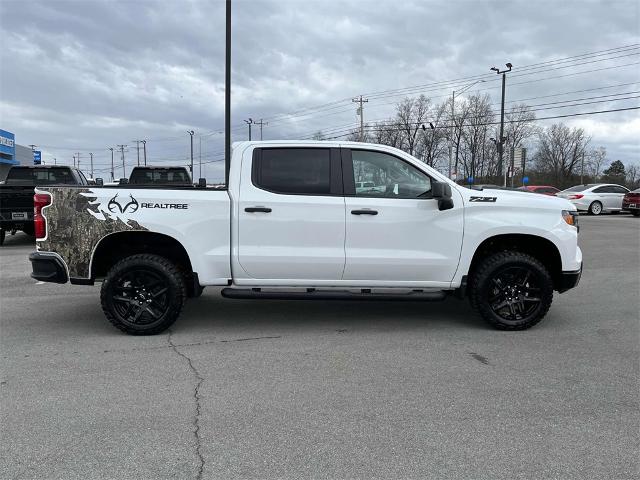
274, 389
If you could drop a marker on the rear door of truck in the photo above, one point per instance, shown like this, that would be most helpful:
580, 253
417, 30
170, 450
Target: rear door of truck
291, 214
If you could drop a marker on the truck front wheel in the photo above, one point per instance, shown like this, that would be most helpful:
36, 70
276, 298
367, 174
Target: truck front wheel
143, 294
511, 290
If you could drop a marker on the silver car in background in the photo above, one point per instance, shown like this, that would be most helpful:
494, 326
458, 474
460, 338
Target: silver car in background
595, 198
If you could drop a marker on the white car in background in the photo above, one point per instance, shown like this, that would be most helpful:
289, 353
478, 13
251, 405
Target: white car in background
595, 198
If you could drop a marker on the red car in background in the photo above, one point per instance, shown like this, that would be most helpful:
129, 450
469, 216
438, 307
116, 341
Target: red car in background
631, 202
543, 189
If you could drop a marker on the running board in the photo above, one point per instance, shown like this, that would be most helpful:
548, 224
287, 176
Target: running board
312, 294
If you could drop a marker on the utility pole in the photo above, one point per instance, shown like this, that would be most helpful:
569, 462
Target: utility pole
144, 149
249, 122
191, 132
501, 139
74, 161
582, 169
78, 160
138, 149
360, 111
112, 174
91, 155
200, 157
261, 123
55, 161
122, 147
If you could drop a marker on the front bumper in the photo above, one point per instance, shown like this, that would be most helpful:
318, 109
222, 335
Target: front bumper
569, 280
48, 268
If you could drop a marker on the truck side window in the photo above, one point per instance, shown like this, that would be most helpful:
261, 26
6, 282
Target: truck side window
379, 174
294, 170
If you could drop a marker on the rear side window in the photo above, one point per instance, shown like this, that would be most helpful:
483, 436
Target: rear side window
293, 170
617, 189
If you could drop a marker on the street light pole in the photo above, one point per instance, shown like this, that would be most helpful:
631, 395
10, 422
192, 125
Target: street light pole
501, 138
249, 122
191, 132
91, 155
144, 149
112, 173
227, 93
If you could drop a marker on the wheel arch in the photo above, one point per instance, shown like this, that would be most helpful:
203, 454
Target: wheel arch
118, 245
538, 247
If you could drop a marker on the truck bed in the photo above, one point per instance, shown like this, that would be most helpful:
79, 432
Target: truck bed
79, 218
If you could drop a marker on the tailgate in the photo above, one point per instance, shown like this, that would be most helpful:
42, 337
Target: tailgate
16, 203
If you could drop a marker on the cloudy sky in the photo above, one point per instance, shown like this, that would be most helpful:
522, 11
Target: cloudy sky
82, 76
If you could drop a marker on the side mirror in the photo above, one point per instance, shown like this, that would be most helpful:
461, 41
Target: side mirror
124, 181
202, 183
99, 182
442, 193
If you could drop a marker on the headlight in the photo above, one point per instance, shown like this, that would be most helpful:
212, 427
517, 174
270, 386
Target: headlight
571, 217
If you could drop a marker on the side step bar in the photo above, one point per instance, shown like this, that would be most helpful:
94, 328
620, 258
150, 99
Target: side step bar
312, 294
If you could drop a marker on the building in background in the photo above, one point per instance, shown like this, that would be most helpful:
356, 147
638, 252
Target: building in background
13, 154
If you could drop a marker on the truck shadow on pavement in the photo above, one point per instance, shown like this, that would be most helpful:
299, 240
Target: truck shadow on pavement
20, 239
211, 312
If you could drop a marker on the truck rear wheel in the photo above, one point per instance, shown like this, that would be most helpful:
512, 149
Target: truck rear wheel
511, 290
143, 294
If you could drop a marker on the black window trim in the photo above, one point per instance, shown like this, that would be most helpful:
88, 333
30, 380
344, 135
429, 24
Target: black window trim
335, 171
348, 178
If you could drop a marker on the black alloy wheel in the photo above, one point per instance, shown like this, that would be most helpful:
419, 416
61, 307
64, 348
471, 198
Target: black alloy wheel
515, 294
511, 290
143, 294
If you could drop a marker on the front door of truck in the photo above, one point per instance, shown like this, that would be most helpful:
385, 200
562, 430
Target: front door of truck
291, 215
395, 232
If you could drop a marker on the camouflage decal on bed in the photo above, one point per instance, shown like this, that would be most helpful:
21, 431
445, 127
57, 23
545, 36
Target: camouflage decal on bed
78, 219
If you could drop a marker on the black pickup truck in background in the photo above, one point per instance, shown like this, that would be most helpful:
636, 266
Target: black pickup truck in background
160, 176
16, 194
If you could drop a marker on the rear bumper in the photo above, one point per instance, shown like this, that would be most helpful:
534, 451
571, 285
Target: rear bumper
569, 280
48, 268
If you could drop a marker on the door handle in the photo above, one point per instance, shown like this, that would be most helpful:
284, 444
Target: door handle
364, 212
257, 209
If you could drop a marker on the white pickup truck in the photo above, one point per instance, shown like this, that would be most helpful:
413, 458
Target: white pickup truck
291, 224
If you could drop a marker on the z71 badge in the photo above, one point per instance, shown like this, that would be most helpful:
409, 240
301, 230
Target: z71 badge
482, 199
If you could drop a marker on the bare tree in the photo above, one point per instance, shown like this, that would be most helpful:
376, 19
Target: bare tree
560, 150
633, 176
596, 158
475, 133
411, 113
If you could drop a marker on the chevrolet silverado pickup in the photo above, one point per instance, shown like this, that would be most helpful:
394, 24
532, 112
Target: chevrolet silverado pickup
16, 193
295, 222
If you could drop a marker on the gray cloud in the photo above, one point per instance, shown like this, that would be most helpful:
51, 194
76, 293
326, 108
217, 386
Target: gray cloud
86, 75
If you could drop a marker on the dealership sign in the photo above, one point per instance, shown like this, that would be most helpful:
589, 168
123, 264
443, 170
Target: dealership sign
7, 147
37, 157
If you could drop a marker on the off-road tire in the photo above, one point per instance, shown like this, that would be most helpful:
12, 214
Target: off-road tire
482, 282
597, 211
164, 269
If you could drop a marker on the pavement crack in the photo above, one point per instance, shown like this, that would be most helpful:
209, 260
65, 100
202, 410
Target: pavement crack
196, 398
